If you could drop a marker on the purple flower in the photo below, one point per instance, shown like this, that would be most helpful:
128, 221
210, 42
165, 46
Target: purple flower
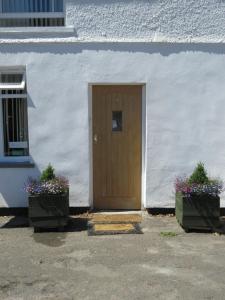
56, 186
213, 187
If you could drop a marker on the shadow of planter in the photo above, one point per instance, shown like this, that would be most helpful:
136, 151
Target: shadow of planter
48, 211
200, 212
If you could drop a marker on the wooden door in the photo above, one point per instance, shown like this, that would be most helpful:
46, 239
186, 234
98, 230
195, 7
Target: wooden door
117, 147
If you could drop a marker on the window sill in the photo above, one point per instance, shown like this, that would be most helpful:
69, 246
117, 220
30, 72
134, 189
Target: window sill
57, 29
13, 164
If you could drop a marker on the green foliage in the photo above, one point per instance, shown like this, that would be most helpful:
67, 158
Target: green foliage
199, 176
48, 173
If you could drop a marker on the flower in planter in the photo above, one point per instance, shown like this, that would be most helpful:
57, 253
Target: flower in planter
48, 200
197, 200
47, 184
57, 186
198, 183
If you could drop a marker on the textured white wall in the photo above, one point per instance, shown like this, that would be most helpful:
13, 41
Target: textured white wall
133, 20
160, 20
185, 110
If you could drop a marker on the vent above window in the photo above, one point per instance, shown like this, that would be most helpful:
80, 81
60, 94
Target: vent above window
13, 81
31, 13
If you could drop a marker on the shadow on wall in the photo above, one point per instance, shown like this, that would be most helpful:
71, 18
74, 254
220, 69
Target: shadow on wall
12, 183
30, 102
165, 49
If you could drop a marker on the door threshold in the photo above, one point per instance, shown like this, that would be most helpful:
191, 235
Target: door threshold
117, 212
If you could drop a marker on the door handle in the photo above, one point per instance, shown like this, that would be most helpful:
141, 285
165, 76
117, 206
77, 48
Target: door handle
95, 138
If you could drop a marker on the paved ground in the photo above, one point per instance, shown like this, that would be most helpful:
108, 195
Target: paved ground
72, 265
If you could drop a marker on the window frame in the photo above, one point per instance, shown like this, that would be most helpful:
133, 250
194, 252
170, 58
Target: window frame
13, 86
33, 15
14, 144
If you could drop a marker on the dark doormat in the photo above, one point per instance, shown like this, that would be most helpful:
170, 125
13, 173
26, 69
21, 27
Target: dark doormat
107, 224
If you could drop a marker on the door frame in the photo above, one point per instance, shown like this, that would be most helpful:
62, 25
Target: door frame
143, 139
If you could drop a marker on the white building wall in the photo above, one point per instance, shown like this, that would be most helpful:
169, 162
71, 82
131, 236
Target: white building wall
185, 111
175, 47
161, 20
132, 20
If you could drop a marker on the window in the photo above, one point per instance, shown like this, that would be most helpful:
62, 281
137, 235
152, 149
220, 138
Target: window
117, 121
31, 13
14, 110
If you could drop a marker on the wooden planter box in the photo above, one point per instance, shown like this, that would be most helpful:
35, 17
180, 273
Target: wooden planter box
48, 211
198, 211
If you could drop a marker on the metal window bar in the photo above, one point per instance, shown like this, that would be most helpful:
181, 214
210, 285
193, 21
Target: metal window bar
31, 13
15, 127
15, 121
32, 22
31, 6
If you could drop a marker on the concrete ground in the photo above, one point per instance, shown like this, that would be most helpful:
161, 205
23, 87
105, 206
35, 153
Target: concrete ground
73, 265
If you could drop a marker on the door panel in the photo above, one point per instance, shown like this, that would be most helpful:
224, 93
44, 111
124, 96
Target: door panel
117, 147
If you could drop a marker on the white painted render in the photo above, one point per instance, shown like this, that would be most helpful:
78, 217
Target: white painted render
176, 48
131, 20
159, 20
185, 111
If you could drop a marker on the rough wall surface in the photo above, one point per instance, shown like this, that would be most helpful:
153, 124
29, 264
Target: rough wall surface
157, 20
184, 103
133, 20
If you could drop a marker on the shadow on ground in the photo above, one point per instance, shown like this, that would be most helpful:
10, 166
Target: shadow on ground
220, 229
77, 224
54, 236
74, 224
14, 222
52, 239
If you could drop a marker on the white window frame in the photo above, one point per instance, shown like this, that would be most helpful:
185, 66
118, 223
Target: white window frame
13, 86
16, 145
33, 15
16, 86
